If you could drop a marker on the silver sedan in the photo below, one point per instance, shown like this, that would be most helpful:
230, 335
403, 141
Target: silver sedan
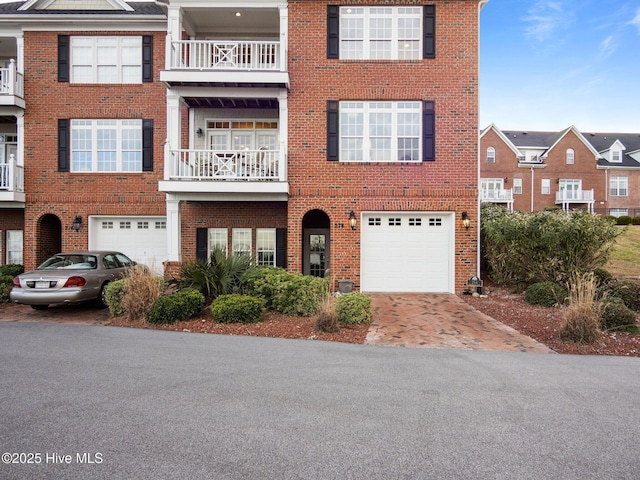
70, 277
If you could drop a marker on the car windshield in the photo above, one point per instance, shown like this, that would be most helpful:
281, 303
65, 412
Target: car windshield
84, 262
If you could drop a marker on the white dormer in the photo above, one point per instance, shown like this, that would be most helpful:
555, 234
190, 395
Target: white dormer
614, 153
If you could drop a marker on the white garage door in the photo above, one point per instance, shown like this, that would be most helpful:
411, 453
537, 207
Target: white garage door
407, 252
143, 239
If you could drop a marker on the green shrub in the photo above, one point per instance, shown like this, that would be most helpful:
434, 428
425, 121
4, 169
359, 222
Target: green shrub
114, 291
11, 270
266, 282
636, 221
624, 220
602, 276
6, 284
545, 294
353, 308
236, 308
175, 307
627, 290
615, 315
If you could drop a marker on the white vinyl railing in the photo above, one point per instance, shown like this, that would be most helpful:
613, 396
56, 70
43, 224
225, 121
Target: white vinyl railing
574, 196
11, 176
225, 55
224, 165
11, 81
497, 195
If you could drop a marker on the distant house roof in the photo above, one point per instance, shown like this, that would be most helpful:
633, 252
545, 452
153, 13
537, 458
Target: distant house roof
31, 8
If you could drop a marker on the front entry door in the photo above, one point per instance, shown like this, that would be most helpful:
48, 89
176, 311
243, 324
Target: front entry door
316, 252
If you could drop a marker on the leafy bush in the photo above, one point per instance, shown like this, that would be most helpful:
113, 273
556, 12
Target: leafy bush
582, 315
177, 306
266, 283
219, 275
6, 284
142, 289
236, 308
543, 246
636, 221
602, 276
11, 270
545, 294
627, 290
353, 308
615, 315
114, 292
624, 220
326, 318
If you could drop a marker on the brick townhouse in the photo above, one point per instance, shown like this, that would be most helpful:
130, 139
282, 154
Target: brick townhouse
331, 138
533, 170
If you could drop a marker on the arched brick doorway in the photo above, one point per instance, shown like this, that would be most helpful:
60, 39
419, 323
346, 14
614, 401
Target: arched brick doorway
316, 241
49, 237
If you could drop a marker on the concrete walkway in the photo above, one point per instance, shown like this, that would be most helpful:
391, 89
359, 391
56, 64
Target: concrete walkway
441, 321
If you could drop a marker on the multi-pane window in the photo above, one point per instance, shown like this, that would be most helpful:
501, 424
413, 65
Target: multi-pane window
106, 59
266, 246
616, 156
14, 246
374, 33
106, 145
618, 212
491, 155
570, 156
546, 186
618, 186
380, 131
218, 239
241, 241
517, 186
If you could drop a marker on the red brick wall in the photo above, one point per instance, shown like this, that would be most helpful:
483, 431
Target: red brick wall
448, 184
69, 194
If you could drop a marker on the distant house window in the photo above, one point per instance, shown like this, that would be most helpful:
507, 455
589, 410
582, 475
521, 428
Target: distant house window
618, 212
106, 59
616, 156
570, 156
491, 155
546, 186
517, 186
618, 186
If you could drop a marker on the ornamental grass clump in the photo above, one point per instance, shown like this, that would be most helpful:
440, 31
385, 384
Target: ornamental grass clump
142, 288
327, 318
582, 315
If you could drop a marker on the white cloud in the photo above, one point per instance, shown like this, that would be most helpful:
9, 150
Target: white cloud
636, 20
544, 18
607, 46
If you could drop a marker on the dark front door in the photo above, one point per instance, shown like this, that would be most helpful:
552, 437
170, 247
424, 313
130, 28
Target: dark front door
316, 252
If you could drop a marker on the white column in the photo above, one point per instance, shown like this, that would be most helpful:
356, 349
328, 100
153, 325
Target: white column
173, 228
284, 36
283, 130
173, 132
20, 54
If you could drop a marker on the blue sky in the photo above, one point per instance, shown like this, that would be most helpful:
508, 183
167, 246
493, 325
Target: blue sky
550, 64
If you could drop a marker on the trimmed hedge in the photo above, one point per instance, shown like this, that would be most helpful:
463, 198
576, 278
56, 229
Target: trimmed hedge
236, 308
545, 294
353, 308
114, 292
11, 270
175, 307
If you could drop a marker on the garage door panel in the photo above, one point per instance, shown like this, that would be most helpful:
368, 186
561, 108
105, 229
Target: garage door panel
406, 252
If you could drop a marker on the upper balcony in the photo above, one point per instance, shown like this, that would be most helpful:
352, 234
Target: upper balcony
210, 46
11, 86
498, 196
12, 182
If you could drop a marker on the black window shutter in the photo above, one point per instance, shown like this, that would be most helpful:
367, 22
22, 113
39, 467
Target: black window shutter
333, 137
429, 32
333, 31
281, 247
63, 145
428, 131
63, 58
147, 145
147, 58
201, 244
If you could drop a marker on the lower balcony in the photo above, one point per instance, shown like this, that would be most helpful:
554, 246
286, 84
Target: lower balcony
498, 196
12, 182
567, 198
233, 174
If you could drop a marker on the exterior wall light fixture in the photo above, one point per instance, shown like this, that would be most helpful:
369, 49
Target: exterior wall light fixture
199, 132
466, 221
77, 223
353, 222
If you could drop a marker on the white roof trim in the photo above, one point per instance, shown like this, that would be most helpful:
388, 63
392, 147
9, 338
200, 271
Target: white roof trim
43, 4
580, 136
503, 137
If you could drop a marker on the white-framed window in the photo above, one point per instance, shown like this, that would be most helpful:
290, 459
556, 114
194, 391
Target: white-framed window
616, 156
380, 131
618, 212
106, 59
266, 246
491, 155
376, 33
517, 186
15, 246
242, 134
546, 186
618, 186
241, 240
570, 188
106, 145
218, 238
570, 156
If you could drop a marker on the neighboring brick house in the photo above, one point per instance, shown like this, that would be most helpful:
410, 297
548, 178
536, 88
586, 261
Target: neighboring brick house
330, 138
530, 171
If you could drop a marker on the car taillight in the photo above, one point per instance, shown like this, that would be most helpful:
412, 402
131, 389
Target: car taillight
75, 282
16, 282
